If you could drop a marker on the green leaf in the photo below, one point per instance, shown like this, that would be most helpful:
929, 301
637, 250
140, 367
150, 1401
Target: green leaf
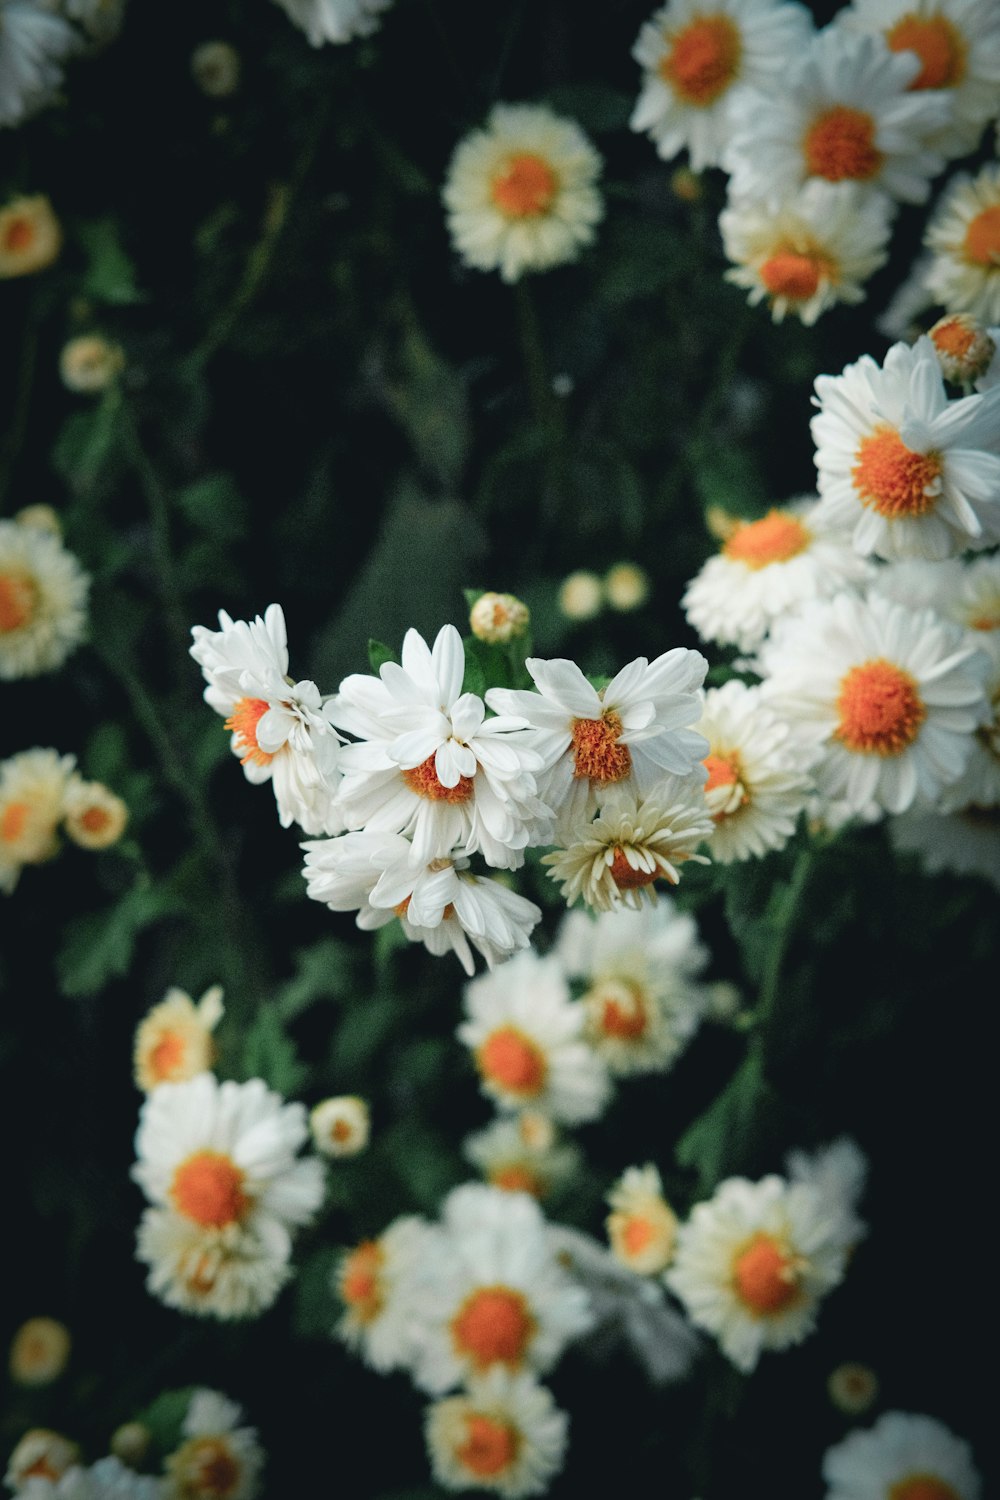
362, 1032
99, 946
110, 274
165, 1417
269, 1054
474, 679
326, 971
215, 506
87, 443
315, 1308
720, 1139
378, 653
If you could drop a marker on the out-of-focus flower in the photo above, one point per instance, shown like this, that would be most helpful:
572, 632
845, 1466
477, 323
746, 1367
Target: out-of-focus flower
642, 1227
626, 586
499, 618
34, 42
341, 1126
334, 20
32, 787
95, 818
131, 1442
852, 1388
521, 194
43, 601
522, 1155
960, 843
100, 19
581, 595
39, 1351
108, 1479
174, 1041
504, 1435
375, 1282
90, 363
220, 1458
215, 68
40, 1454
42, 517
30, 236
963, 234
902, 1456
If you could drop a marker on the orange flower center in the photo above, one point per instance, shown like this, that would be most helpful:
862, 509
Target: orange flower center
880, 709
892, 478
986, 621
341, 1131
637, 1234
514, 1061
777, 537
42, 1468
725, 788
840, 145
242, 722
493, 1326
597, 750
167, 1057
796, 274
19, 235
424, 780
212, 1468
18, 599
703, 60
623, 1013
982, 238
922, 1487
939, 45
490, 1446
955, 336
764, 1276
360, 1280
628, 879
516, 1178
12, 821
526, 186
95, 819
208, 1188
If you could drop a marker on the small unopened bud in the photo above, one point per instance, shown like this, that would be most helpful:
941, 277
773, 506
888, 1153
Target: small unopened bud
724, 1000
720, 523
95, 817
498, 618
686, 185
41, 517
963, 347
852, 1388
215, 68
39, 1351
626, 586
341, 1126
581, 596
90, 363
130, 1442
30, 236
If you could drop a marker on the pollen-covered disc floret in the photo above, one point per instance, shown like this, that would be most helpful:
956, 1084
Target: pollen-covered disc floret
963, 346
642, 1227
521, 193
522, 1155
504, 1435
336, 21
174, 1042
378, 1284
220, 1459
43, 601
32, 790
903, 1457
963, 235
526, 1035
911, 472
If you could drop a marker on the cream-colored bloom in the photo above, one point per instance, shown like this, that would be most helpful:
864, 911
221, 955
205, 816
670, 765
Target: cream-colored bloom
40, 1454
626, 586
340, 1126
903, 1457
852, 1388
963, 346
34, 41
499, 618
131, 1442
215, 68
90, 363
43, 601
30, 233
580, 595
174, 1041
42, 517
522, 1155
377, 1283
504, 1435
521, 193
219, 1459
642, 1227
32, 787
39, 1351
226, 1272
963, 234
95, 818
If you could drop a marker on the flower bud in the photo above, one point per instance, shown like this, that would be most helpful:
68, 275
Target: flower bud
498, 618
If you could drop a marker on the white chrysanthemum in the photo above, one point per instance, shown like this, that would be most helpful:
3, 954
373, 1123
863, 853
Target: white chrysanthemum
890, 698
843, 113
697, 58
958, 45
914, 474
967, 592
340, 1126
640, 968
173, 1041
108, 1479
335, 20
377, 1284
34, 42
505, 1434
226, 1272
758, 781
964, 235
282, 730
816, 249
442, 905
522, 1155
642, 1227
43, 601
903, 1457
521, 194
493, 1291
623, 736
94, 817
767, 568
526, 1035
753, 1262
614, 860
221, 1158
32, 787
960, 843
219, 1457
430, 765
43, 1453
839, 1173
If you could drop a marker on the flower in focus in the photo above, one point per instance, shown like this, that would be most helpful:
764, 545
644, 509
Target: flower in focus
505, 1435
174, 1041
498, 618
43, 601
522, 1155
220, 1460
334, 20
90, 363
94, 817
521, 194
964, 348
642, 1227
34, 42
963, 234
376, 1284
341, 1126
903, 1457
32, 787
39, 1352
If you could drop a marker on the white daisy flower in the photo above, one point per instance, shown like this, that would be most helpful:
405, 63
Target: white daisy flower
334, 20
958, 45
758, 781
642, 997
493, 1292
108, 1479
526, 1035
964, 348
903, 1457
753, 1262
281, 730
220, 1460
522, 1155
521, 194
442, 905
376, 1283
94, 817
963, 234
173, 1042
505, 1435
959, 843
697, 59
843, 113
615, 859
839, 1173
340, 1126
889, 697
30, 234
32, 788
43, 601
914, 474
624, 735
978, 787
766, 569
816, 249
40, 1454
642, 1227
34, 43
431, 765
225, 1272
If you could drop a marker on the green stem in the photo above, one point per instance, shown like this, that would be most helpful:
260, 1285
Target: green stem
533, 354
158, 508
789, 906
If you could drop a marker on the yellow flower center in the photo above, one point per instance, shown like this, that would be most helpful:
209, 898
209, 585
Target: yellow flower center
776, 538
879, 709
840, 145
891, 478
636, 1234
424, 780
764, 1276
514, 1061
597, 751
621, 1010
703, 60
526, 186
242, 722
490, 1446
939, 45
18, 600
725, 779
360, 1281
208, 1188
982, 238
493, 1326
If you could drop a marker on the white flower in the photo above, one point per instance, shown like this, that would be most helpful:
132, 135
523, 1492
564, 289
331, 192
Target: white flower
505, 1435
915, 474
642, 1227
376, 1283
964, 349
961, 843
281, 730
625, 735
889, 697
43, 601
493, 1293
341, 1126
100, 19
839, 1173
521, 193
842, 113
34, 42
219, 1459
108, 1479
817, 248
30, 237
334, 20
173, 1041
766, 569
32, 788
41, 1452
963, 234
978, 787
643, 1001
903, 1455
697, 60
229, 1272
442, 905
522, 1155
94, 817
526, 1036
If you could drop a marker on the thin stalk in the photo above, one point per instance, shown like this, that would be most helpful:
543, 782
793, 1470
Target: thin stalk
789, 908
533, 356
158, 509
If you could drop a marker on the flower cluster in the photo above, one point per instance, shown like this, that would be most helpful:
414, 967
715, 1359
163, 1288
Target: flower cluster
41, 792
